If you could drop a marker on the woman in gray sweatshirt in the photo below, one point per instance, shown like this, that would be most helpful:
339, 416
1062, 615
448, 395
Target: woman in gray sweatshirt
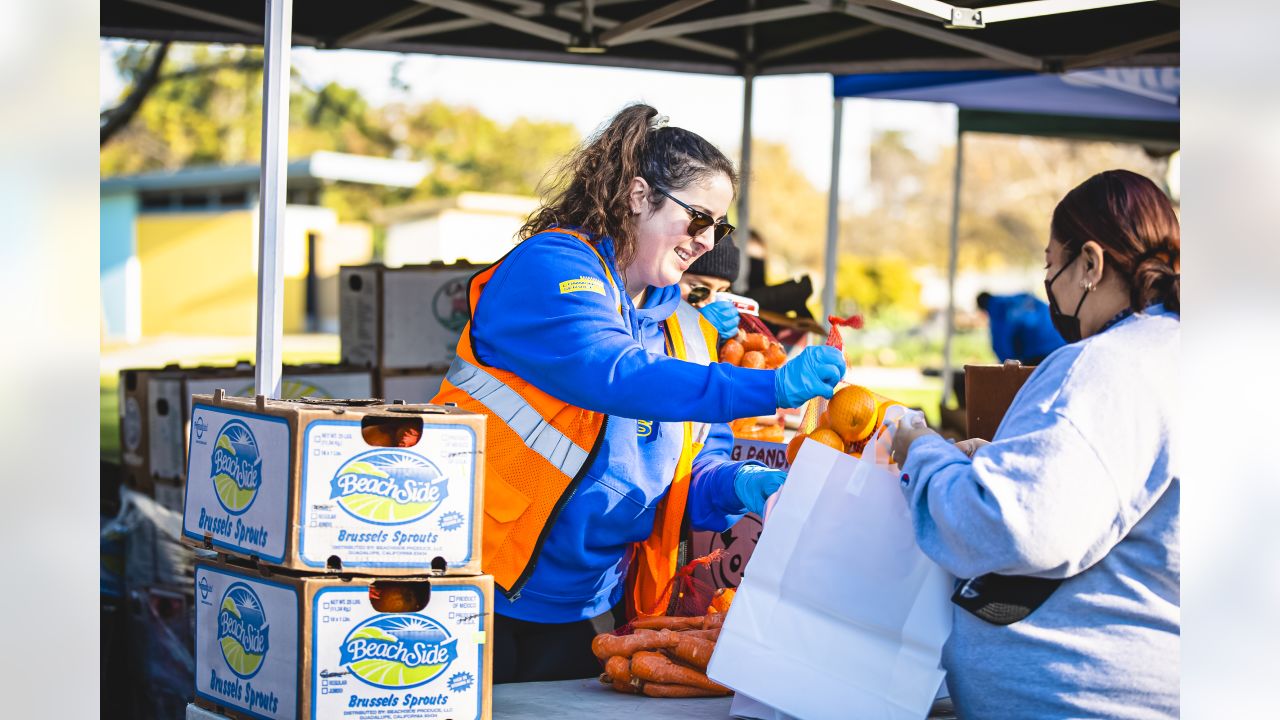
1079, 487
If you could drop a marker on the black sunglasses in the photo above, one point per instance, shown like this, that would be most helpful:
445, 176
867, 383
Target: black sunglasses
697, 294
700, 221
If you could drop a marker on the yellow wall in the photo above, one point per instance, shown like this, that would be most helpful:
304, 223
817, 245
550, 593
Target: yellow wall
199, 274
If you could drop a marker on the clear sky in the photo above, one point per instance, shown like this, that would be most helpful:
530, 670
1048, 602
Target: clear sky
793, 109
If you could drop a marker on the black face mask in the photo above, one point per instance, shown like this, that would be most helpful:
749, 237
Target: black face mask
1068, 326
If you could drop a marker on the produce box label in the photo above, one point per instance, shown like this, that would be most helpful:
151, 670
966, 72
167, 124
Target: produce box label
164, 426
131, 423
387, 507
771, 454
424, 665
247, 643
238, 481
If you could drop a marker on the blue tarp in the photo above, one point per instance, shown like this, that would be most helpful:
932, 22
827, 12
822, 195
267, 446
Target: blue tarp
1126, 93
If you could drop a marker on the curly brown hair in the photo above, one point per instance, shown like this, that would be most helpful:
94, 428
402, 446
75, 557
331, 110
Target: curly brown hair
589, 189
1134, 222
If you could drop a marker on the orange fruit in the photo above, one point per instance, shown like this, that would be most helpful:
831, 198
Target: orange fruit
753, 359
828, 437
880, 410
775, 356
853, 413
755, 341
731, 352
793, 447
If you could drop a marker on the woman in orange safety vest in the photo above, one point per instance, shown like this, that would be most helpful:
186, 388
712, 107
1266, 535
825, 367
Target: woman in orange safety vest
597, 398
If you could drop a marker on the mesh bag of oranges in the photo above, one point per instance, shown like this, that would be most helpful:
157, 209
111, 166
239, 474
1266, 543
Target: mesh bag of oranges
755, 347
852, 415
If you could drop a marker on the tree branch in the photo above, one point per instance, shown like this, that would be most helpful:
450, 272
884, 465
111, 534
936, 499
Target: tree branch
118, 117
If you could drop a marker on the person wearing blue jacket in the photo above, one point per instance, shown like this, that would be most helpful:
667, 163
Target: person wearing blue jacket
1064, 530
575, 314
1021, 328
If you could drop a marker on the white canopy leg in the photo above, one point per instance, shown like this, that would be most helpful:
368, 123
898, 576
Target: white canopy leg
951, 266
833, 213
742, 235
271, 196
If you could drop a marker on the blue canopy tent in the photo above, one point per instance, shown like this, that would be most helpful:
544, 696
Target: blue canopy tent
1139, 105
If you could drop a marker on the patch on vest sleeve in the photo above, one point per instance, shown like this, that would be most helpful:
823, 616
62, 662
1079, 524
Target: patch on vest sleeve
582, 284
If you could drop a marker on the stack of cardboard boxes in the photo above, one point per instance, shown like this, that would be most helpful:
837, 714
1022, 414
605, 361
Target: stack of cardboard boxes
155, 414
347, 582
403, 323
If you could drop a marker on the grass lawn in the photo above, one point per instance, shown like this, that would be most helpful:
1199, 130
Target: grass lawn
925, 398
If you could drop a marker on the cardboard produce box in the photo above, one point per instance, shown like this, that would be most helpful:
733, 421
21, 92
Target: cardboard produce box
739, 541
989, 391
402, 318
170, 414
288, 647
410, 386
135, 430
295, 484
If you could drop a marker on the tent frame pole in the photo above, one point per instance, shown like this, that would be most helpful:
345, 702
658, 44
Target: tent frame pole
952, 260
833, 212
271, 197
742, 235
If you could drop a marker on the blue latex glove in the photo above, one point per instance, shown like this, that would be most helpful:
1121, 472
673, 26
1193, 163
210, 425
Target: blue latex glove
755, 483
723, 316
813, 373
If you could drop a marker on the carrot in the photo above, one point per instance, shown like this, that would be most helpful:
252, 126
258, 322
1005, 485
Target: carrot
692, 650
625, 687
714, 620
713, 634
671, 690
656, 667
618, 668
665, 622
606, 645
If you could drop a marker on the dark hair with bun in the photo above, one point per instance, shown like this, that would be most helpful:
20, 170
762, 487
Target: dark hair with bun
590, 188
1133, 221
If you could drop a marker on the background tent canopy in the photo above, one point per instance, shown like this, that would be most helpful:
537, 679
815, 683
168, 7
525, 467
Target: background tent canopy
1120, 104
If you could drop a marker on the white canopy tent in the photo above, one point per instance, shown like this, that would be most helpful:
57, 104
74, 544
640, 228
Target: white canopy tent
1129, 105
746, 38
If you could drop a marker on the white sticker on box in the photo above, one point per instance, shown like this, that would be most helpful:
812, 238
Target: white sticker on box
385, 506
247, 643
424, 665
164, 425
238, 481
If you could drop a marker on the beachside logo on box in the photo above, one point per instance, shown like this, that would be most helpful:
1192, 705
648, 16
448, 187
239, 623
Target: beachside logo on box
236, 467
290, 389
450, 304
398, 651
389, 487
242, 630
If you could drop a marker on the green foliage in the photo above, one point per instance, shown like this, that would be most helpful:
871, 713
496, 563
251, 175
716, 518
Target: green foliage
207, 109
872, 286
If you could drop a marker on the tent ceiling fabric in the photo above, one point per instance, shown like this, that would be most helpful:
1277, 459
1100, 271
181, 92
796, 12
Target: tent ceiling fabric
729, 37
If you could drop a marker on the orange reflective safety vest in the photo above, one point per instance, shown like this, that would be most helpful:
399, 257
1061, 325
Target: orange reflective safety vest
540, 448
655, 561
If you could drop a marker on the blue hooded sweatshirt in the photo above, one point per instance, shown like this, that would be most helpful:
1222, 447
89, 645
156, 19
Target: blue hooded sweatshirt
550, 315
1021, 328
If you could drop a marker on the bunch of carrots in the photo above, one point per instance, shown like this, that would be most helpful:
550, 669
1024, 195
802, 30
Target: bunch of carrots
663, 656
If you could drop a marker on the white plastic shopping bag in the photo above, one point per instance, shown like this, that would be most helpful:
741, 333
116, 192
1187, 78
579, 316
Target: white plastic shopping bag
839, 614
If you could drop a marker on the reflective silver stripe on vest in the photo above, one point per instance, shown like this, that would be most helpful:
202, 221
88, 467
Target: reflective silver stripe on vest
696, 351
506, 404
